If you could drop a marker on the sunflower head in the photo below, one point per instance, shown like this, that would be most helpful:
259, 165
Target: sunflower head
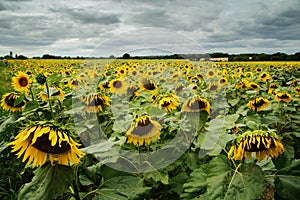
21, 82
118, 86
283, 97
253, 86
148, 85
196, 104
258, 104
264, 77
95, 102
8, 102
213, 87
36, 143
144, 131
168, 102
261, 142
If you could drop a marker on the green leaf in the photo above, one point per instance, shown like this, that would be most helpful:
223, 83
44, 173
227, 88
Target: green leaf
217, 180
215, 129
48, 183
233, 102
287, 181
121, 188
19, 100
7, 122
31, 105
196, 184
158, 175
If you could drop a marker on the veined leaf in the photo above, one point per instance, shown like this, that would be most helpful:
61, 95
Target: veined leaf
287, 181
121, 188
48, 183
217, 180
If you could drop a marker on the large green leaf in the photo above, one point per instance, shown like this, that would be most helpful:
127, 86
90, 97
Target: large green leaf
217, 180
48, 183
121, 188
287, 181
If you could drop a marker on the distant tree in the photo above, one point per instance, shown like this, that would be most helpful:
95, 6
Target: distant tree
21, 57
126, 56
11, 54
112, 56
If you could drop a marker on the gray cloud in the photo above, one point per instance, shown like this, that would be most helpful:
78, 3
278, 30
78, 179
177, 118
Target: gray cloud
78, 27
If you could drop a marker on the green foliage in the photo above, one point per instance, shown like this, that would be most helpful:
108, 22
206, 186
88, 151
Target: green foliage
48, 183
218, 180
122, 188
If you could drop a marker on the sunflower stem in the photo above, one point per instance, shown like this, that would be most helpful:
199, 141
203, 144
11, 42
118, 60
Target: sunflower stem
49, 100
31, 92
75, 186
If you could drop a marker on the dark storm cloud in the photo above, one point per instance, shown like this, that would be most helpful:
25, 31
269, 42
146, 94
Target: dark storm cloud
88, 16
77, 27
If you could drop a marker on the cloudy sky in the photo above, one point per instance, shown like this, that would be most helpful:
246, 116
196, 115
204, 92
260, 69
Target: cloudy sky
103, 28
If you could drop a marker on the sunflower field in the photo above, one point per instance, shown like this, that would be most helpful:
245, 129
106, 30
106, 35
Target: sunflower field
149, 129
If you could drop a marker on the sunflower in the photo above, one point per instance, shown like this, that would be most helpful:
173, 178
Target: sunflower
264, 77
196, 104
144, 131
36, 142
223, 81
148, 85
213, 87
258, 104
283, 96
272, 88
21, 82
242, 83
179, 88
253, 86
210, 73
8, 101
95, 102
118, 86
262, 142
74, 84
168, 102
56, 93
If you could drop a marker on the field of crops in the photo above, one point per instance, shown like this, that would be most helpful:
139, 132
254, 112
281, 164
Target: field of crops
149, 129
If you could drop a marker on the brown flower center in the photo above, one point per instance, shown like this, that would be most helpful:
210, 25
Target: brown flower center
23, 81
143, 128
44, 144
117, 84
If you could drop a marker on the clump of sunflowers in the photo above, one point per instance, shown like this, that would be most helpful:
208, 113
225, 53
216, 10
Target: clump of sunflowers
44, 135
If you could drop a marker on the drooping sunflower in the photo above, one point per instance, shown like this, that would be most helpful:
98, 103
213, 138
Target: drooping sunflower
95, 102
261, 142
213, 87
258, 104
168, 102
8, 101
118, 86
283, 96
196, 104
264, 77
144, 131
272, 88
148, 85
253, 86
21, 82
37, 142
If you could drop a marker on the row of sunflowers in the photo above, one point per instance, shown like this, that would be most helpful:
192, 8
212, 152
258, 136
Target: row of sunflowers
134, 129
